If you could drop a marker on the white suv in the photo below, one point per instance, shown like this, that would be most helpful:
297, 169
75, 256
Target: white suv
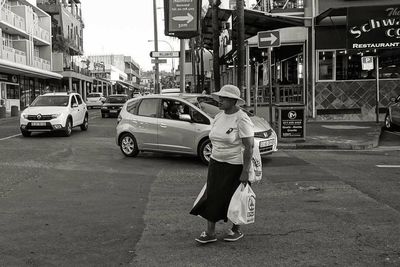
55, 112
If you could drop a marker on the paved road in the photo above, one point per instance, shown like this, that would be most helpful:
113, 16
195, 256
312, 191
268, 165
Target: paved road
78, 201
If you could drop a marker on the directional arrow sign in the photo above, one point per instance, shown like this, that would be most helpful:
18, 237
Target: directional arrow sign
164, 54
183, 15
268, 39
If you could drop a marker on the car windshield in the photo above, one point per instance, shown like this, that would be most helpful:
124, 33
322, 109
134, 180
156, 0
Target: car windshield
209, 105
93, 95
116, 99
51, 101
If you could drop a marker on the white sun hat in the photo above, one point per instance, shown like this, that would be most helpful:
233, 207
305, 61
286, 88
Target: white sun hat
230, 91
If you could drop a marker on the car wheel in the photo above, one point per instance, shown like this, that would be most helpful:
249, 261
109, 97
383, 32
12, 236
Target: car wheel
25, 133
128, 145
85, 124
205, 151
388, 123
68, 128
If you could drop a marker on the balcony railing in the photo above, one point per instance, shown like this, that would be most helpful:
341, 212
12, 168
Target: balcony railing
20, 57
280, 5
41, 33
75, 68
13, 19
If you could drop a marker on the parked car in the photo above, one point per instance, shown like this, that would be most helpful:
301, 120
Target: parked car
95, 100
113, 104
392, 118
179, 124
55, 112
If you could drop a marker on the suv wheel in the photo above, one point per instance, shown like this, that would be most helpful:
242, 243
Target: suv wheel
68, 128
388, 123
25, 133
85, 124
205, 151
128, 145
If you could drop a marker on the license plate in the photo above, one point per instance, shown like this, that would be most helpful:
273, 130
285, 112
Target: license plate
266, 143
114, 111
38, 124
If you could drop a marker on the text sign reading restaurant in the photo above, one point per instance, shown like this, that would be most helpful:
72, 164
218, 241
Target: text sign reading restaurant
373, 27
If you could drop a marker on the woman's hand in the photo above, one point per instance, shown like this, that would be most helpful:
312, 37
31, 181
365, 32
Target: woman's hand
244, 177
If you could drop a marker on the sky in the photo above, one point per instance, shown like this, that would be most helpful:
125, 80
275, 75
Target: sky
124, 27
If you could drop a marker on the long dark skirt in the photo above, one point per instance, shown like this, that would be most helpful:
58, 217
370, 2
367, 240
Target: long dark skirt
222, 182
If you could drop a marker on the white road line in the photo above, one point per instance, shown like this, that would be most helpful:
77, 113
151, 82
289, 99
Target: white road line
395, 133
388, 166
9, 137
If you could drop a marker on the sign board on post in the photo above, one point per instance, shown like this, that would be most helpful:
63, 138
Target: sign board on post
268, 39
164, 54
373, 27
160, 61
182, 18
367, 63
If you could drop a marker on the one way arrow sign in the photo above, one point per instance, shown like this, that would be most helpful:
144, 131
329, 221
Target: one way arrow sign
268, 39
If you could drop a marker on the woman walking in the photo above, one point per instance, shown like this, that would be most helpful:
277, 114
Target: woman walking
232, 138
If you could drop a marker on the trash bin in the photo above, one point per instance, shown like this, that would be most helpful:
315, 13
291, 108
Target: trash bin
290, 122
14, 111
2, 112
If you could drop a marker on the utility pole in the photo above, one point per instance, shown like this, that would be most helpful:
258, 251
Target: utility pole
215, 28
240, 43
182, 65
156, 69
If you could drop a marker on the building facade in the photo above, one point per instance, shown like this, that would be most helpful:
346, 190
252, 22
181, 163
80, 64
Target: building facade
67, 27
25, 54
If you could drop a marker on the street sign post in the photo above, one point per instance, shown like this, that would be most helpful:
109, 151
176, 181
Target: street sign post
182, 18
268, 39
164, 54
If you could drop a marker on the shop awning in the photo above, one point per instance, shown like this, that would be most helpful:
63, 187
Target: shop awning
20, 69
254, 21
333, 16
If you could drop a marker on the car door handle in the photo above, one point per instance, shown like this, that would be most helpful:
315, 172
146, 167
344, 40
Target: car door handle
162, 125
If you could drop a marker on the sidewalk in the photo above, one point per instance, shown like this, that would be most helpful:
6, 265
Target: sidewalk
346, 135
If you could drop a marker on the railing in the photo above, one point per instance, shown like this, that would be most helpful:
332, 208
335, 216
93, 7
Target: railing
37, 63
42, 33
8, 53
279, 5
13, 19
292, 93
20, 57
75, 68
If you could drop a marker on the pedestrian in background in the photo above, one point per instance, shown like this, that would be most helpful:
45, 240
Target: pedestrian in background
232, 138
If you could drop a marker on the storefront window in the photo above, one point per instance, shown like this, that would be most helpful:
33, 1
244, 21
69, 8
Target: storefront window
325, 65
348, 67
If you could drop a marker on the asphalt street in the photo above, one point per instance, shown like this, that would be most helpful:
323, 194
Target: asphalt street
77, 201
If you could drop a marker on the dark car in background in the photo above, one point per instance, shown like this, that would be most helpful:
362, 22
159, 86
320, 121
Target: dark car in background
392, 118
113, 104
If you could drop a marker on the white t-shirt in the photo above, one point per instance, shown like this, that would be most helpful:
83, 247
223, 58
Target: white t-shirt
226, 133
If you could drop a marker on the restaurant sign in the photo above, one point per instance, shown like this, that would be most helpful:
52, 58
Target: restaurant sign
373, 27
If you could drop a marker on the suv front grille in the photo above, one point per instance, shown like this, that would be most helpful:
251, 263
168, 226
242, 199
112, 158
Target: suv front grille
39, 118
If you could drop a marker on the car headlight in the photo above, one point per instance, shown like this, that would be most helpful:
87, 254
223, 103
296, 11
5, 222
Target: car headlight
103, 107
23, 115
54, 116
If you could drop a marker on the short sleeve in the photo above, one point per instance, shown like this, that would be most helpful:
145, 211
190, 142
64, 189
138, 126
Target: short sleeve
245, 126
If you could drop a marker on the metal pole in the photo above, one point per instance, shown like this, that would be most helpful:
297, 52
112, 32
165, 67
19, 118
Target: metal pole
248, 75
256, 88
156, 70
215, 30
270, 83
240, 43
377, 89
182, 65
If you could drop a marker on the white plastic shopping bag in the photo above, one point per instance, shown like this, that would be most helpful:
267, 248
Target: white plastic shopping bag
200, 194
255, 174
242, 208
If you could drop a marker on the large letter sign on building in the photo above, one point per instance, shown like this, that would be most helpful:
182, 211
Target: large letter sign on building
182, 18
373, 27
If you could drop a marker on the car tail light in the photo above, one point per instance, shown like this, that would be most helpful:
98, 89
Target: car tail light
119, 118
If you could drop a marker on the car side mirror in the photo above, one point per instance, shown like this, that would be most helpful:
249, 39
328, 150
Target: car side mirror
74, 105
185, 117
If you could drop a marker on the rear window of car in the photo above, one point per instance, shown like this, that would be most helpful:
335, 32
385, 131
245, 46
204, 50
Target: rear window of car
94, 95
51, 101
116, 99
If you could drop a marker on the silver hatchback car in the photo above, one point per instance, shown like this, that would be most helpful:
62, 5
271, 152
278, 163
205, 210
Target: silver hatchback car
179, 124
